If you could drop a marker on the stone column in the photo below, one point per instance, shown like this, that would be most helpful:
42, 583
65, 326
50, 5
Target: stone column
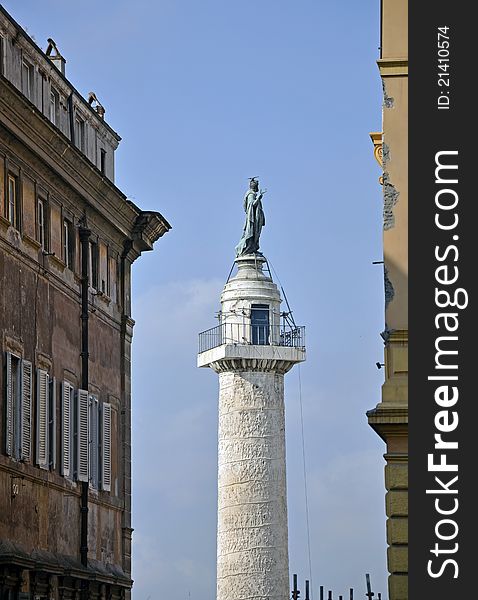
252, 550
252, 545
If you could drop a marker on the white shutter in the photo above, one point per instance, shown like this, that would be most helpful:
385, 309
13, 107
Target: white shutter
83, 435
9, 437
42, 418
94, 450
106, 448
52, 424
66, 413
26, 411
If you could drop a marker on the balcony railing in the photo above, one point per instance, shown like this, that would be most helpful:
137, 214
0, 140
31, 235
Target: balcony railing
246, 334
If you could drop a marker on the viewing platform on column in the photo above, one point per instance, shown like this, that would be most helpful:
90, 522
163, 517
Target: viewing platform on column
252, 330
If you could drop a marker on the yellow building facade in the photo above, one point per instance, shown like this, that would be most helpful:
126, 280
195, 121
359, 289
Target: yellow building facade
390, 417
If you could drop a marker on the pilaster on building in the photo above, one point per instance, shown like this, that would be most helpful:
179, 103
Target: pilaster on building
390, 417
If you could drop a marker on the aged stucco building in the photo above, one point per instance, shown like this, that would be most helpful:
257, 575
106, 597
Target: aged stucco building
390, 417
68, 238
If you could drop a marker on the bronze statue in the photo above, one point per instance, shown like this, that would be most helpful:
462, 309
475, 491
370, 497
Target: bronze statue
255, 220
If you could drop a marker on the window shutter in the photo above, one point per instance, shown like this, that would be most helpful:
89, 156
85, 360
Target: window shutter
43, 381
52, 424
66, 414
83, 435
26, 411
94, 450
9, 408
106, 448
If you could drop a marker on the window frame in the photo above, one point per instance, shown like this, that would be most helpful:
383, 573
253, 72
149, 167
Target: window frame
103, 161
42, 224
68, 432
260, 328
2, 55
13, 206
93, 264
42, 451
94, 458
106, 442
79, 128
82, 472
55, 115
28, 86
12, 404
18, 413
68, 243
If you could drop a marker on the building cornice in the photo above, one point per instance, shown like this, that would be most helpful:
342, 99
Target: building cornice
251, 365
393, 67
16, 31
54, 149
386, 421
250, 357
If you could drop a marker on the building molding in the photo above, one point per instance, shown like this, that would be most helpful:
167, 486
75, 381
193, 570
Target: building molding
393, 67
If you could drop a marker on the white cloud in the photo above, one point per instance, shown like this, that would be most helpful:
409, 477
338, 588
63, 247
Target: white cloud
174, 442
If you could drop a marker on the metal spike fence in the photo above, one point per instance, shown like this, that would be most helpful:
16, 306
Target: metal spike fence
329, 595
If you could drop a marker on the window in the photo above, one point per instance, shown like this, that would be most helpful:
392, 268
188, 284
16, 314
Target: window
94, 442
45, 420
42, 230
18, 412
100, 444
68, 243
80, 133
44, 96
27, 80
54, 107
103, 275
102, 161
74, 433
260, 324
105, 453
82, 437
85, 437
93, 265
68, 430
13, 212
2, 55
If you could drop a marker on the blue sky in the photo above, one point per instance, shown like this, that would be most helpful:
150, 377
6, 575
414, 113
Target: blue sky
206, 94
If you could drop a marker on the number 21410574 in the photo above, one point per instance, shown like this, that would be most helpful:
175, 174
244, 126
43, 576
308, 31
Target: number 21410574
443, 58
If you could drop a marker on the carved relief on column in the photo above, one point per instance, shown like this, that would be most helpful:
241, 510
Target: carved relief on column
252, 510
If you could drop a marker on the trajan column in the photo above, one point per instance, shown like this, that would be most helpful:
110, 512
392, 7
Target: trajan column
251, 350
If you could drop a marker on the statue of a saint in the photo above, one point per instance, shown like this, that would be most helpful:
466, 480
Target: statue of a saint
255, 220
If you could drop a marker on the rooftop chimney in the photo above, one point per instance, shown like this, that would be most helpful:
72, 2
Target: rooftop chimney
56, 58
100, 109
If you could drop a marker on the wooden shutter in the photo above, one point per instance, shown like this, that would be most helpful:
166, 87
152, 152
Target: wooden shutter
106, 447
26, 411
52, 424
83, 435
9, 437
42, 453
94, 449
66, 466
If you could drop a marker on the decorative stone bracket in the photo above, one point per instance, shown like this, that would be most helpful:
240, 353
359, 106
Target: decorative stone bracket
377, 140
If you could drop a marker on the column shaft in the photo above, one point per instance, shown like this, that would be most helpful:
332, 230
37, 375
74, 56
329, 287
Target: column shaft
252, 545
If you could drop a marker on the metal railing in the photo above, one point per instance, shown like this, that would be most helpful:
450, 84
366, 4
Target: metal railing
248, 334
